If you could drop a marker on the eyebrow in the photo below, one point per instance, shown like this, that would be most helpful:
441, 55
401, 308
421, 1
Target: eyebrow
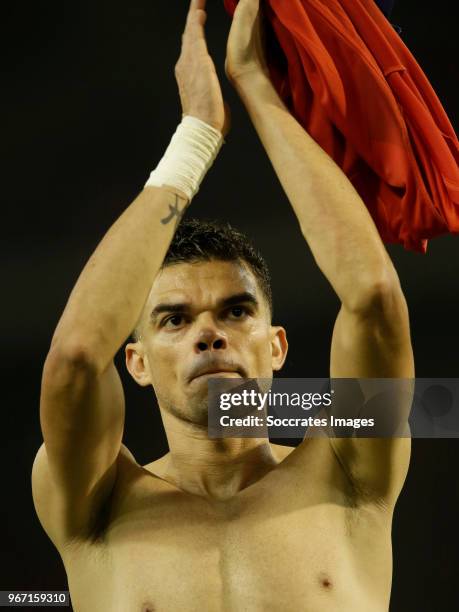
232, 300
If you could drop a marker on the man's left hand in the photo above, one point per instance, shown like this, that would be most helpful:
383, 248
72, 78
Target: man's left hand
246, 51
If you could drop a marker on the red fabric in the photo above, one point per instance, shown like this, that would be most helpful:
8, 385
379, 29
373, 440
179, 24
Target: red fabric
349, 79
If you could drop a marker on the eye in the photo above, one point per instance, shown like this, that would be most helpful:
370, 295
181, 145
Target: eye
238, 311
173, 321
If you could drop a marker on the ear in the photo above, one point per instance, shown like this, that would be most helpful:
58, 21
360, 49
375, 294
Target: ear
137, 363
279, 347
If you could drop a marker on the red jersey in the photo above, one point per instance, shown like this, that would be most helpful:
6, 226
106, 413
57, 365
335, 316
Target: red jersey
348, 78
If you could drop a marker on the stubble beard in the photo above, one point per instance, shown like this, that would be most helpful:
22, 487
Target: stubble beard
192, 409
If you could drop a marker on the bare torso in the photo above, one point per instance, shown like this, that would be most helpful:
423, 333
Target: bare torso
294, 540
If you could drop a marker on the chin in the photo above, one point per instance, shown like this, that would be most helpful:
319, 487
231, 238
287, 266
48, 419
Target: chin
197, 413
190, 407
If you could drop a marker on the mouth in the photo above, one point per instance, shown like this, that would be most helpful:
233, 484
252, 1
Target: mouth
217, 374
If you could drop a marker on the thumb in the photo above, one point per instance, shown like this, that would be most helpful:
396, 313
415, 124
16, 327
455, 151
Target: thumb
247, 10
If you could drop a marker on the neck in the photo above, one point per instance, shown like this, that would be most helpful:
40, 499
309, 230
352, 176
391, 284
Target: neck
215, 468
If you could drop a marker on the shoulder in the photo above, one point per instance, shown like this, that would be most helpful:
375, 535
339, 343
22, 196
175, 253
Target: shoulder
68, 517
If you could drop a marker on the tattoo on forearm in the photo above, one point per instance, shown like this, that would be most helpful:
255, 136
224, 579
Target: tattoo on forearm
175, 212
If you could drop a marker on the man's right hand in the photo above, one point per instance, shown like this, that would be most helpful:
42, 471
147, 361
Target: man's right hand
197, 79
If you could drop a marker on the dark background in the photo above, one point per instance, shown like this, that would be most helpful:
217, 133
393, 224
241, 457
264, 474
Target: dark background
89, 102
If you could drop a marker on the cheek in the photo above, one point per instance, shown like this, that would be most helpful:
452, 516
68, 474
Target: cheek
257, 346
164, 376
163, 361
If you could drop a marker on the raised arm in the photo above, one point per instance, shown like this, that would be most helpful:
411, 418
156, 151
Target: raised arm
371, 337
82, 403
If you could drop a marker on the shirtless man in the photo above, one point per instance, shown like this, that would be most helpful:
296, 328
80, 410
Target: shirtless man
227, 525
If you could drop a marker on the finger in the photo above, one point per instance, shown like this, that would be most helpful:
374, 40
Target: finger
245, 17
194, 29
200, 4
248, 8
196, 7
201, 17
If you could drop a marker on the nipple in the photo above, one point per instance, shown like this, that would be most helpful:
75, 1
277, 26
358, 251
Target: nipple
325, 581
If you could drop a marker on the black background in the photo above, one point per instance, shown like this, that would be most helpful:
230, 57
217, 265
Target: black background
89, 104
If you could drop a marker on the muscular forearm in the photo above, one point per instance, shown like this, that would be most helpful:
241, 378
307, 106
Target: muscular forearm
110, 294
112, 289
332, 217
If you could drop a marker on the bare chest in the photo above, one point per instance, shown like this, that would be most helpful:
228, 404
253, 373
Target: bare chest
276, 542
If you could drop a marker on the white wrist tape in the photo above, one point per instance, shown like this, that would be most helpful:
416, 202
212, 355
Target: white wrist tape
189, 156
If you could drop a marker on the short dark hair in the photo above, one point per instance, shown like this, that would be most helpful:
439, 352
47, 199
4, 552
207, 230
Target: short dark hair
198, 240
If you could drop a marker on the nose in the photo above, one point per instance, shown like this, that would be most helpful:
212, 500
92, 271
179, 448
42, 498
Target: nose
210, 339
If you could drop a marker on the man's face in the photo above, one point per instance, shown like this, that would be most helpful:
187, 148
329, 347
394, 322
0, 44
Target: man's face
200, 317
